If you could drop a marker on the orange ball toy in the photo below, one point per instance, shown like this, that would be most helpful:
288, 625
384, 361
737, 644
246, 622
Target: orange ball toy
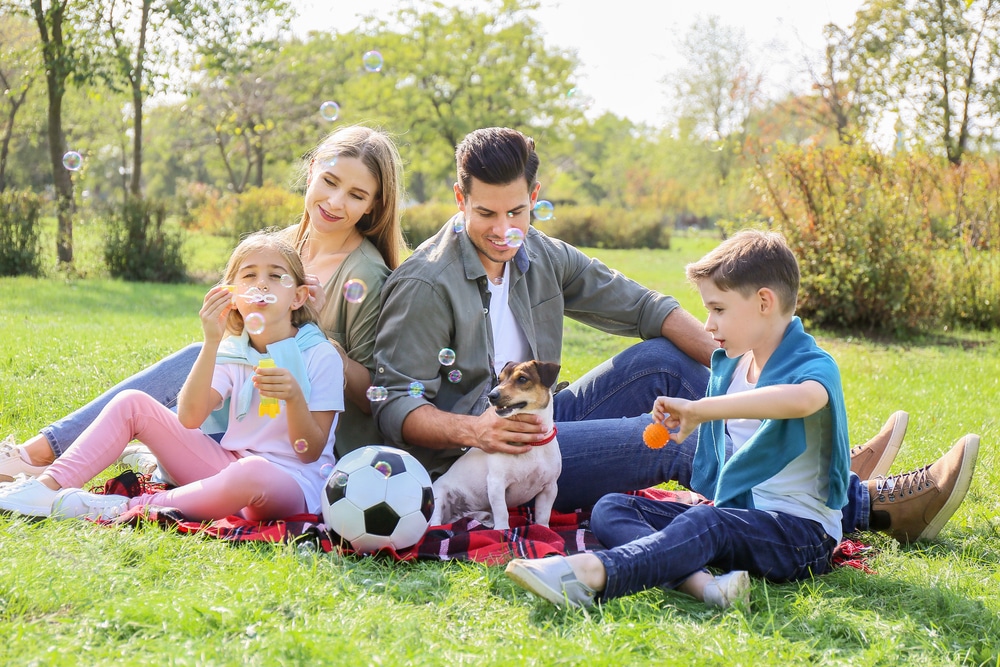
656, 435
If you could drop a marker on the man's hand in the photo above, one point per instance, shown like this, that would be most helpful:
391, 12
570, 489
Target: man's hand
512, 435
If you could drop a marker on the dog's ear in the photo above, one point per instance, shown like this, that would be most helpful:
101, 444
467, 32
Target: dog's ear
559, 387
548, 371
506, 367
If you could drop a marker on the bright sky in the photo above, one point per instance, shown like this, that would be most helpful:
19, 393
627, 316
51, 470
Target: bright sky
627, 48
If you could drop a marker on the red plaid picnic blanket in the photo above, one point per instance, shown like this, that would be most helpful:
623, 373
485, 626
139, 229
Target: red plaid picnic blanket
466, 539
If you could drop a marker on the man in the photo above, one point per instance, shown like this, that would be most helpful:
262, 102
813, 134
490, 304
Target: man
472, 290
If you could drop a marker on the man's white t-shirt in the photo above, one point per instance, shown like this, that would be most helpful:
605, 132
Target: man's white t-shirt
509, 341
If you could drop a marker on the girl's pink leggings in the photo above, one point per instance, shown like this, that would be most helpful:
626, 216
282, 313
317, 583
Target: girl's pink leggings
213, 482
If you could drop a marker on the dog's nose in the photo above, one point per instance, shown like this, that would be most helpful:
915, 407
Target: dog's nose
493, 395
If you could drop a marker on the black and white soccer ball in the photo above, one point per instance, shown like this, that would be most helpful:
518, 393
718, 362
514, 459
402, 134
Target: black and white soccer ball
378, 497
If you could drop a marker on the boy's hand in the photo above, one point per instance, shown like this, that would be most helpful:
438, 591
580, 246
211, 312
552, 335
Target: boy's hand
678, 415
214, 311
277, 383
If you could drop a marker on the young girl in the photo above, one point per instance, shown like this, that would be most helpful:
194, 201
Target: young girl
349, 231
265, 467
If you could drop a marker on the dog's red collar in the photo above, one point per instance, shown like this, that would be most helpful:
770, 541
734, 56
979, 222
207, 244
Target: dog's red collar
546, 440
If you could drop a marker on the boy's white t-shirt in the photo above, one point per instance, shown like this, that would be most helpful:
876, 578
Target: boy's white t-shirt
268, 437
801, 487
509, 342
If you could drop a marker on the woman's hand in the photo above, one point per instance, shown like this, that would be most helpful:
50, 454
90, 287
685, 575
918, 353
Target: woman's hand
317, 295
214, 311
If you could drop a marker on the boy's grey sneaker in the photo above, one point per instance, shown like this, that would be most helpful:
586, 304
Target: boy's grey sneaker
27, 496
551, 578
727, 589
79, 504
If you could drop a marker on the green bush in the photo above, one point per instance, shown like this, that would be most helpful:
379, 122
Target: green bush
860, 224
139, 248
20, 248
262, 208
969, 284
422, 221
582, 226
608, 227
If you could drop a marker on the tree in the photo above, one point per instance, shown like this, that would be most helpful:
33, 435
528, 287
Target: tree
63, 59
17, 73
838, 90
718, 88
449, 70
934, 59
238, 48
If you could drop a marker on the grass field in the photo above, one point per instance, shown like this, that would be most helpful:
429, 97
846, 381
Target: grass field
73, 593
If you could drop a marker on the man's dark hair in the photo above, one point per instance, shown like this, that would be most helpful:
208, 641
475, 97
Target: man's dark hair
496, 155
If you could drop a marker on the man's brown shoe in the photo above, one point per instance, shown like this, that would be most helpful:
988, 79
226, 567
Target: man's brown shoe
917, 504
874, 458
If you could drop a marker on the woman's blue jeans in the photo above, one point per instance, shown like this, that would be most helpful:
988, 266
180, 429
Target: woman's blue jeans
601, 417
163, 381
655, 543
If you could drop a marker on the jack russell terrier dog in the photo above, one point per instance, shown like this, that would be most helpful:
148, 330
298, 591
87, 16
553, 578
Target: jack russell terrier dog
478, 481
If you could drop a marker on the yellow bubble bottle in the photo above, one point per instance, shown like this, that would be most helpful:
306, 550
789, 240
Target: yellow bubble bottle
269, 407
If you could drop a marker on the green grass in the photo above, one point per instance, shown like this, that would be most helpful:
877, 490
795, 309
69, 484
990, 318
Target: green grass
73, 593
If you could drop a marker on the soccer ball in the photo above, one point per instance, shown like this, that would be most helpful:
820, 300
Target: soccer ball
378, 497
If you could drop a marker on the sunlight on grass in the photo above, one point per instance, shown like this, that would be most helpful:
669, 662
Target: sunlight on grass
75, 593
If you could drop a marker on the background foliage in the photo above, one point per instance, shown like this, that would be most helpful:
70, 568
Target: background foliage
213, 111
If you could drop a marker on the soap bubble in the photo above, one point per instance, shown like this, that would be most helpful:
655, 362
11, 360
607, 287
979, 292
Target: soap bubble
287, 280
373, 61
355, 290
446, 356
714, 141
416, 389
455, 376
544, 210
72, 160
329, 110
514, 237
577, 99
254, 323
326, 469
338, 478
301, 445
384, 467
458, 225
376, 393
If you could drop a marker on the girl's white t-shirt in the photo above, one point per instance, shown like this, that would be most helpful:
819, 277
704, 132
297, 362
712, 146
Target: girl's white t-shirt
268, 437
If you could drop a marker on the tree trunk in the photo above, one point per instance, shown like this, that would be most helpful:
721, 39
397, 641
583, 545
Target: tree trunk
135, 187
56, 72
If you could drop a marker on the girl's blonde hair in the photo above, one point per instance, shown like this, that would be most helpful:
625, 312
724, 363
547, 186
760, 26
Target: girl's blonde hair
379, 154
267, 240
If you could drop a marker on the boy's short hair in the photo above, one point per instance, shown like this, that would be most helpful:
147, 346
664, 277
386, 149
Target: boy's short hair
497, 156
748, 260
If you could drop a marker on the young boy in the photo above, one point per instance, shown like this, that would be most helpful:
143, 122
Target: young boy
772, 454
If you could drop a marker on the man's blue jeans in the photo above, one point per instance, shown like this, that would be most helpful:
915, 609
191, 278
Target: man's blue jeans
655, 543
601, 417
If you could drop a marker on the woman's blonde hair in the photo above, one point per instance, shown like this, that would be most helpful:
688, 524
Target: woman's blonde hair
379, 154
267, 240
